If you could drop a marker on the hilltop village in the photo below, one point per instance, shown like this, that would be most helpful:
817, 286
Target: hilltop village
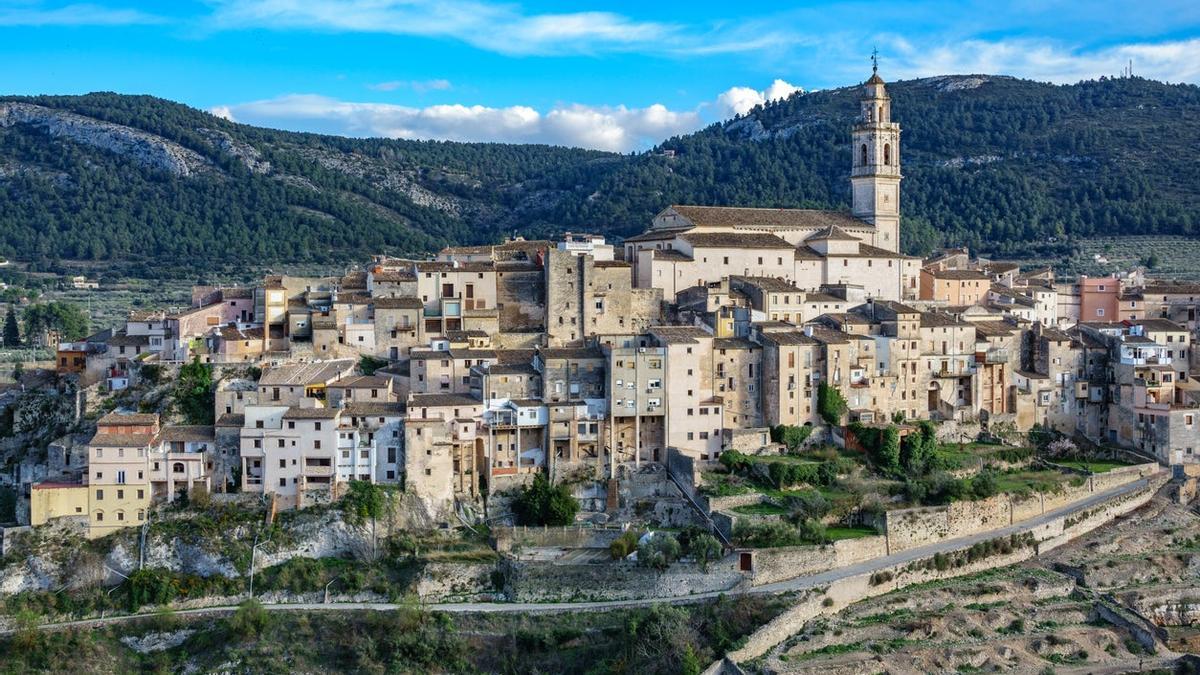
715, 371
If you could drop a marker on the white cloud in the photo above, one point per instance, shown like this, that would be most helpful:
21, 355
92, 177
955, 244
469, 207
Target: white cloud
38, 14
741, 100
606, 128
616, 128
1044, 60
419, 86
224, 112
494, 26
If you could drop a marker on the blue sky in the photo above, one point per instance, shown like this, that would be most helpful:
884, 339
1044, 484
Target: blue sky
609, 75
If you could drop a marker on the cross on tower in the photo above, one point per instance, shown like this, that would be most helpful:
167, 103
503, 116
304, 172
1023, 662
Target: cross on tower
874, 60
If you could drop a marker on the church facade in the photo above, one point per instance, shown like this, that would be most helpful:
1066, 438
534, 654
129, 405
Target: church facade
689, 246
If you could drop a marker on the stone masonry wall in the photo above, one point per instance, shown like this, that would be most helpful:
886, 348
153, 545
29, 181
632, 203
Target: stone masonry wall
910, 528
854, 589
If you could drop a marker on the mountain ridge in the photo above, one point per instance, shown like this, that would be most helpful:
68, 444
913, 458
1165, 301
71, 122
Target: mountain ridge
998, 163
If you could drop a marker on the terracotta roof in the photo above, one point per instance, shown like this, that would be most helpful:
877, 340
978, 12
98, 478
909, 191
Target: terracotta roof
832, 233
788, 338
311, 413
362, 382
441, 400
392, 276
318, 372
959, 274
738, 216
671, 254
769, 284
126, 419
365, 408
121, 440
231, 420
654, 235
678, 334
186, 432
548, 353
734, 240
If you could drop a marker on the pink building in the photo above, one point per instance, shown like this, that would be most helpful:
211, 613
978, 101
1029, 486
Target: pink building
1099, 299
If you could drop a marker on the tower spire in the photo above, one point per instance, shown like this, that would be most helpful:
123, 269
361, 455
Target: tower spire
874, 61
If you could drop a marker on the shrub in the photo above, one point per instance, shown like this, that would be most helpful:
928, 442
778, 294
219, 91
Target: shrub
887, 454
831, 405
540, 503
807, 504
703, 548
791, 436
250, 620
813, 531
734, 461
766, 535
984, 485
625, 544
658, 551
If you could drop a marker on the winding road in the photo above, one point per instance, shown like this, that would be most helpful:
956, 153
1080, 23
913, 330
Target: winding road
799, 583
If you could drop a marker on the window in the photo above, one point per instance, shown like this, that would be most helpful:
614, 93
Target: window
862, 160
141, 494
282, 482
99, 495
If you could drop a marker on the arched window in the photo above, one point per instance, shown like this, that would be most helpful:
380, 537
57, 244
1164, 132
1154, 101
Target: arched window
863, 153
887, 154
177, 467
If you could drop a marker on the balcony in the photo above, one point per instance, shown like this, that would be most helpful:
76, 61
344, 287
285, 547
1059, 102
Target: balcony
996, 356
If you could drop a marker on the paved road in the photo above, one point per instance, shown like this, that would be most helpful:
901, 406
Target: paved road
800, 583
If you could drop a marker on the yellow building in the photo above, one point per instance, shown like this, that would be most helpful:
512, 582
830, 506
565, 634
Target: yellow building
49, 500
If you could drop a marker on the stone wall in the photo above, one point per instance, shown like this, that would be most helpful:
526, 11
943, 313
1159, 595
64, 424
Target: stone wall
457, 582
849, 590
505, 539
910, 528
770, 565
551, 582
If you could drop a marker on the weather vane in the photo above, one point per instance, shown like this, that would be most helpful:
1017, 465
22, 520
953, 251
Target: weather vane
874, 60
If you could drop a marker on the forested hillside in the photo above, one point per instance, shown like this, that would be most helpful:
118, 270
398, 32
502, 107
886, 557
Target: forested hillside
997, 163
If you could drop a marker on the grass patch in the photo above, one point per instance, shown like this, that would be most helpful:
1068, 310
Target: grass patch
855, 532
1093, 466
760, 509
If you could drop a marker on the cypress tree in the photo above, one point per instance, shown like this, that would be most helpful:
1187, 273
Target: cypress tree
12, 334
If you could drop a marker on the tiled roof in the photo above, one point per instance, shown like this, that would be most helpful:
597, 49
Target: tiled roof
769, 284
735, 240
120, 440
397, 303
832, 233
363, 409
959, 275
678, 334
127, 419
231, 420
311, 413
736, 216
186, 432
305, 373
441, 400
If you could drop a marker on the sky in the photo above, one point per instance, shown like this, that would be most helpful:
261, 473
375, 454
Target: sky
619, 75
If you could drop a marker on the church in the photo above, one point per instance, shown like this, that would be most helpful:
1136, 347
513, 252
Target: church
690, 246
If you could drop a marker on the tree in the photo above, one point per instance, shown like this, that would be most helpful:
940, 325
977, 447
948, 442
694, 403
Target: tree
658, 551
887, 455
541, 503
703, 548
830, 404
364, 504
194, 392
67, 318
791, 436
12, 332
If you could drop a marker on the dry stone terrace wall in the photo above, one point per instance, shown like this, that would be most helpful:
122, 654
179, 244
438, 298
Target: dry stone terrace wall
780, 564
843, 592
910, 528
541, 582
506, 539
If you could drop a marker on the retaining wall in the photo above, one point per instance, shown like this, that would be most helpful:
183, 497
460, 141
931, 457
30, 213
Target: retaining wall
843, 592
780, 564
551, 582
910, 528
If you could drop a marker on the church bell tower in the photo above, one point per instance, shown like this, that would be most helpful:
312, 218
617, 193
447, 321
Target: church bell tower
875, 175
